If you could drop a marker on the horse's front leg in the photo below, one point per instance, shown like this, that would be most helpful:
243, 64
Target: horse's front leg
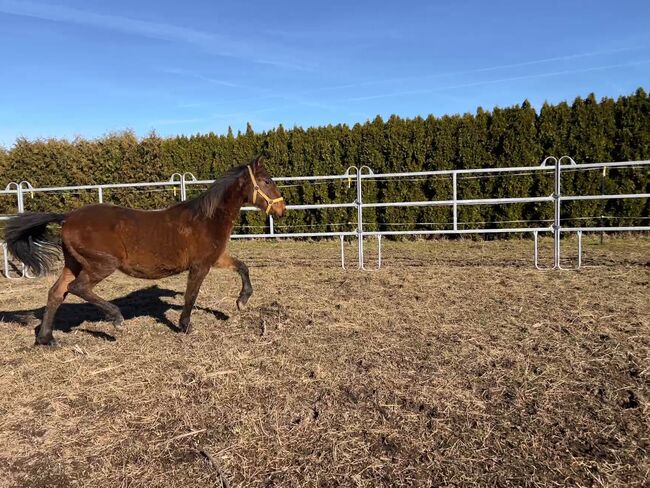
227, 261
194, 281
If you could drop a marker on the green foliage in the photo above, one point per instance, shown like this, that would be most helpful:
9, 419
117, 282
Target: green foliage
588, 130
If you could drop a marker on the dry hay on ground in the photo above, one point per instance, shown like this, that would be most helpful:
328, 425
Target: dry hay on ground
456, 365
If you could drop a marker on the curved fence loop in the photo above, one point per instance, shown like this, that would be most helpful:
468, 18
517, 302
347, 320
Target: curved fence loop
549, 158
185, 177
7, 266
571, 161
172, 179
349, 174
26, 187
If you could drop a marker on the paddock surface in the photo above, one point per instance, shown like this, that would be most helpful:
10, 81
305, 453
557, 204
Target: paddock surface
458, 364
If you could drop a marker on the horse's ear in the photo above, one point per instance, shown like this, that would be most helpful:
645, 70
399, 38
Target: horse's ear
257, 162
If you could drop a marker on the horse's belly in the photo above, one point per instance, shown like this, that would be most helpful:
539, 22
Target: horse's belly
155, 250
151, 272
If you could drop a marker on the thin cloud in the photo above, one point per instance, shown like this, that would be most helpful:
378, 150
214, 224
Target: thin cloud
199, 76
243, 114
499, 80
522, 64
213, 43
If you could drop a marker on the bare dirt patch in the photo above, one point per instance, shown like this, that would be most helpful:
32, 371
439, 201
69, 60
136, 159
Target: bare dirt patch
456, 365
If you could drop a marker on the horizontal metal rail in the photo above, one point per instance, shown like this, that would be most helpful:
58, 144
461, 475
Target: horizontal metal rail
626, 196
309, 206
289, 179
526, 169
637, 228
610, 164
289, 235
515, 230
473, 201
112, 186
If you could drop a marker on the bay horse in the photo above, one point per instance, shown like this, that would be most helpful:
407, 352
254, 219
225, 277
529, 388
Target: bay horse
99, 239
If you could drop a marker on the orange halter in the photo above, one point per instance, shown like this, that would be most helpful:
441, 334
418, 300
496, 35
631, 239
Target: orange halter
256, 189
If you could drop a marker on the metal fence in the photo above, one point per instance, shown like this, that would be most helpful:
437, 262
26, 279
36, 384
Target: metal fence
551, 166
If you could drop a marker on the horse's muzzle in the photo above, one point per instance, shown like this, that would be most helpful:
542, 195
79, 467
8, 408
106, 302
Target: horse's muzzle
279, 209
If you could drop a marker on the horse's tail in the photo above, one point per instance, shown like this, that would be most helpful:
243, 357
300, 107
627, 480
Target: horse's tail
30, 242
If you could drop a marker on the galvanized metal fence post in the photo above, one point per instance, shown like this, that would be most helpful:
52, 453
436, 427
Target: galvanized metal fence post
359, 202
25, 185
554, 160
360, 230
19, 196
20, 187
559, 215
454, 179
557, 219
172, 179
9, 188
185, 177
5, 260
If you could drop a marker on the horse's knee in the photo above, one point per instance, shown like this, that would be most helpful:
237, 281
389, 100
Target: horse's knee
75, 287
58, 291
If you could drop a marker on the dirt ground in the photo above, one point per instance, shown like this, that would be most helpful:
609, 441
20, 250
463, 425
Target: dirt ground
457, 364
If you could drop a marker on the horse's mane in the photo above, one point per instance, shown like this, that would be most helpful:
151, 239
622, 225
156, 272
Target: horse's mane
206, 203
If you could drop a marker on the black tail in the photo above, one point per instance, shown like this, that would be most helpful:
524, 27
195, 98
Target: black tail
30, 242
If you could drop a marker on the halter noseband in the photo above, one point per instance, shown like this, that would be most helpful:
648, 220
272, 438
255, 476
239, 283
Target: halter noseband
256, 189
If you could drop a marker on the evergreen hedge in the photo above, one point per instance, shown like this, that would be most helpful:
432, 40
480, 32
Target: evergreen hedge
588, 130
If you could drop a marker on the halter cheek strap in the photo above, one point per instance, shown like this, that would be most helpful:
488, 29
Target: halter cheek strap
257, 190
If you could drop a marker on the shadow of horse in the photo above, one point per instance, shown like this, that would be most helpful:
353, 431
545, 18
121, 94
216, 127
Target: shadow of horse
147, 302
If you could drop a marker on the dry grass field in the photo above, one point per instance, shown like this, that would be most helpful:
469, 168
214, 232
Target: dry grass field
457, 364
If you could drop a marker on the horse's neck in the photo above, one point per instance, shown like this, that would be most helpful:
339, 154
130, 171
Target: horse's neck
233, 203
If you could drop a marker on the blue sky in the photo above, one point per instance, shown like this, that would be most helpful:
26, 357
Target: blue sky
85, 68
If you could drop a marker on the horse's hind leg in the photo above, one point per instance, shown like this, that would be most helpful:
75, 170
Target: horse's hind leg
55, 298
227, 261
194, 281
83, 286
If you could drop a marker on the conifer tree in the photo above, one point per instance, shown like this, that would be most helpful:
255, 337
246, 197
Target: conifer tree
589, 130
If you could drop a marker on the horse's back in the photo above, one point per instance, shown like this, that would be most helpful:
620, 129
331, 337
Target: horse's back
143, 243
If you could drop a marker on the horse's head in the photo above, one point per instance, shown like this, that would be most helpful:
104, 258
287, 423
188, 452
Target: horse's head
264, 194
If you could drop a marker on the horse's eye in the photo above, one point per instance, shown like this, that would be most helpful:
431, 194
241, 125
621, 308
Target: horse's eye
267, 181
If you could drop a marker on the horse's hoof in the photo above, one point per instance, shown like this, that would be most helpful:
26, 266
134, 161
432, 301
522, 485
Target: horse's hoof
185, 327
242, 301
51, 342
118, 322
